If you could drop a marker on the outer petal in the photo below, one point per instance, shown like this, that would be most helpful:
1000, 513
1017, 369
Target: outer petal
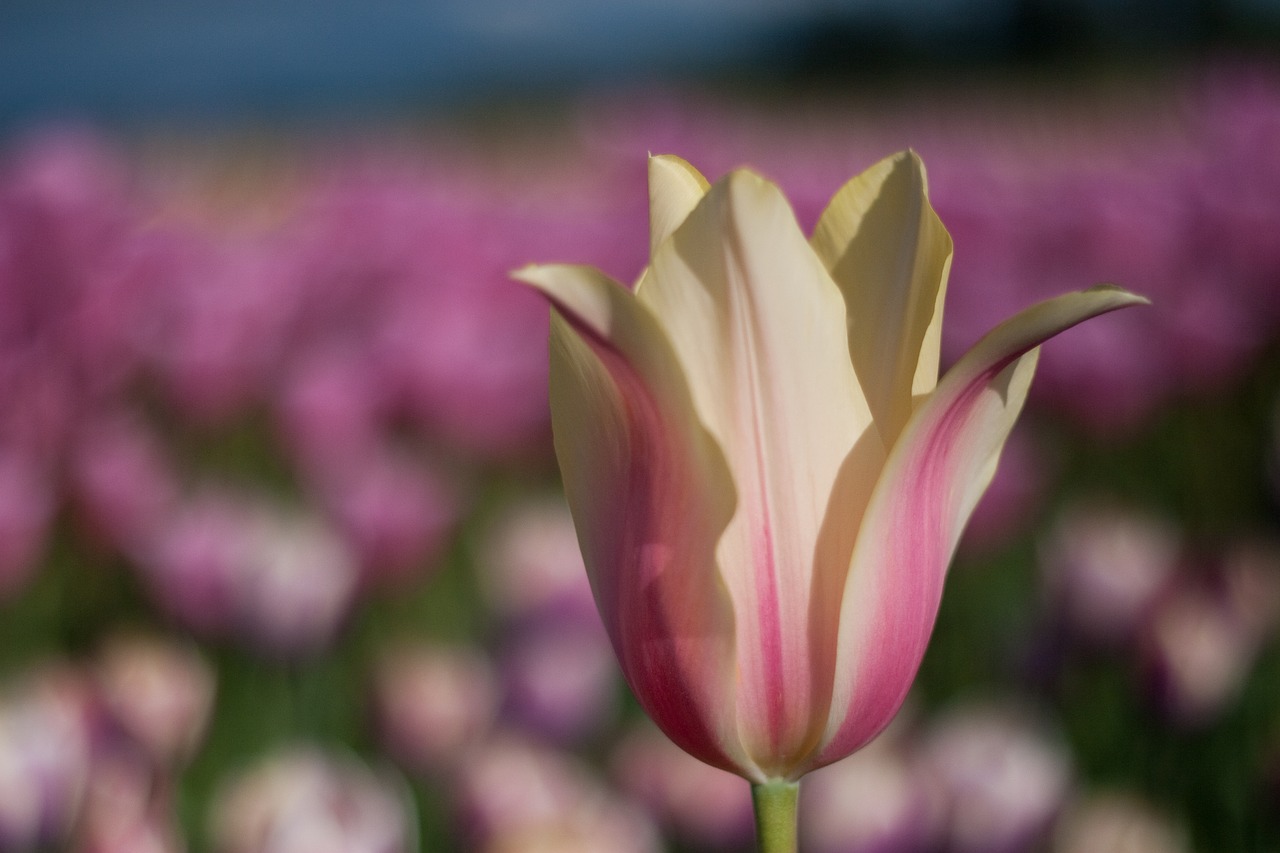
934, 476
675, 188
890, 255
758, 326
650, 495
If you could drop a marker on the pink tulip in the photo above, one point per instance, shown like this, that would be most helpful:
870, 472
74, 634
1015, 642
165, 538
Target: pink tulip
767, 477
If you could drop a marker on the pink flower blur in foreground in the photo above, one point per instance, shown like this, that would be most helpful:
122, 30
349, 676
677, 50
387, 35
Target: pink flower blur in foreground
767, 477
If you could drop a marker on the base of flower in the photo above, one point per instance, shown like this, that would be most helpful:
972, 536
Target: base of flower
775, 806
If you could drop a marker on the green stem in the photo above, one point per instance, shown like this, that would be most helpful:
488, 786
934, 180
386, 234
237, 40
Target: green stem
775, 803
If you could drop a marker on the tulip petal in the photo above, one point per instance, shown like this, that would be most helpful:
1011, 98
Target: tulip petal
934, 476
758, 327
650, 496
890, 254
675, 188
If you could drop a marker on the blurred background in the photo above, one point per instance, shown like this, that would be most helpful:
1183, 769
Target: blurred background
284, 564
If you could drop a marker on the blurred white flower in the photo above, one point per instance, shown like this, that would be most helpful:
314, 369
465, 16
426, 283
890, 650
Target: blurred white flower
1000, 776
1117, 823
870, 802
516, 797
45, 755
304, 801
1104, 566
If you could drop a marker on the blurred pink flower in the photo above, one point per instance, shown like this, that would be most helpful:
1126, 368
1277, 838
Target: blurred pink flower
699, 804
1105, 565
121, 480
513, 796
871, 802
234, 565
329, 409
159, 692
217, 334
1200, 641
193, 562
433, 704
473, 378
530, 566
560, 679
127, 809
27, 505
394, 512
409, 269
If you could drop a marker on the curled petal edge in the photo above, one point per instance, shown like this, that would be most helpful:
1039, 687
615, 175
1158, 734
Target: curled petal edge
650, 494
940, 466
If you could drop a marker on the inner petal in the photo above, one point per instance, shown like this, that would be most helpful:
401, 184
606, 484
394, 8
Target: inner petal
759, 327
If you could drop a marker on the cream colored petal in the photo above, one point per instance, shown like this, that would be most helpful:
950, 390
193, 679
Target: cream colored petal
759, 329
934, 476
675, 188
890, 254
650, 496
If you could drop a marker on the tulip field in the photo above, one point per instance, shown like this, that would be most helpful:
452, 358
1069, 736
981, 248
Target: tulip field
286, 565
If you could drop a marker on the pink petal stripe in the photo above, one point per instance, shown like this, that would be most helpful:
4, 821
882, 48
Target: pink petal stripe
759, 329
935, 474
650, 495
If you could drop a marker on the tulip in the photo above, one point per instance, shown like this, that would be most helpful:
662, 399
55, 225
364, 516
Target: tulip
767, 477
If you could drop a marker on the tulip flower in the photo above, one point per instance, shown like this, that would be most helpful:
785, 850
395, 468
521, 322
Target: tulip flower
767, 477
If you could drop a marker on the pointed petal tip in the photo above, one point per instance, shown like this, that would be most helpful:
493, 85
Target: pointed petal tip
541, 277
676, 164
746, 183
525, 273
1124, 298
675, 189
